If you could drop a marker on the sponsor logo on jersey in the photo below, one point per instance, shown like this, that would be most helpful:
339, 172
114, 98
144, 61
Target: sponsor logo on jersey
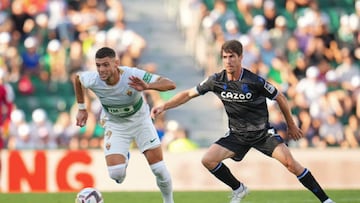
236, 96
269, 87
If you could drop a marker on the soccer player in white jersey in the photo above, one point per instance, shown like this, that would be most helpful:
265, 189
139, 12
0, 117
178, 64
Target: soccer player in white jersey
125, 115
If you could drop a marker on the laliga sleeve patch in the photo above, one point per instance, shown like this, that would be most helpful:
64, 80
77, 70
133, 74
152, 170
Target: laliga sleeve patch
269, 87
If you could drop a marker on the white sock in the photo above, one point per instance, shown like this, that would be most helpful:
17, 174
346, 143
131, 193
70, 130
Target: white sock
328, 201
241, 188
163, 180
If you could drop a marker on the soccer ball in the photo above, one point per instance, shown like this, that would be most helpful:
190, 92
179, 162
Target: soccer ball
89, 195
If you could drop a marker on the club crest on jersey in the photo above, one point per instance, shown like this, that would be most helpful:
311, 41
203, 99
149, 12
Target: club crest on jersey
108, 145
129, 93
269, 87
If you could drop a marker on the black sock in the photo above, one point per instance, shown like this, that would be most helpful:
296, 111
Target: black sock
222, 172
308, 180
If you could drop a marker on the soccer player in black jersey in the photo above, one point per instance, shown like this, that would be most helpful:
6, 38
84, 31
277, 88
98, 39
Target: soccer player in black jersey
244, 94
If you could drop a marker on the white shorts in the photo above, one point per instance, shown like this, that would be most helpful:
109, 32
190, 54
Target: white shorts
117, 140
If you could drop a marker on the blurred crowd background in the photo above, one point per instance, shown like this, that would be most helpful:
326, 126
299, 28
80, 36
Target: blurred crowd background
309, 49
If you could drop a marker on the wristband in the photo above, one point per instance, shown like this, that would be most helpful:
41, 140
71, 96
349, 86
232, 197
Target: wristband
81, 106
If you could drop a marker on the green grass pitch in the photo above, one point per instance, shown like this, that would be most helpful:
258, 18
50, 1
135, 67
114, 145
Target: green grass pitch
293, 196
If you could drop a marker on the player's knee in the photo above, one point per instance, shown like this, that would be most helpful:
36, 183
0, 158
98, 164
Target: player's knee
292, 166
117, 172
208, 163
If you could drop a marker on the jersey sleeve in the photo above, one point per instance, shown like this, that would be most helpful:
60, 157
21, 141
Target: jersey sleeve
87, 78
268, 89
206, 85
146, 76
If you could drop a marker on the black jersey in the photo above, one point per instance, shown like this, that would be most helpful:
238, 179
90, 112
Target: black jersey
244, 100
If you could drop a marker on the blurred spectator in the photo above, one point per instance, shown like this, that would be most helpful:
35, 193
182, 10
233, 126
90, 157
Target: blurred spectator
220, 14
182, 143
23, 139
281, 75
270, 13
267, 53
128, 43
65, 130
31, 58
232, 30
19, 132
17, 119
23, 22
310, 87
59, 22
258, 31
352, 132
303, 34
176, 138
252, 53
280, 35
332, 132
296, 58
345, 35
76, 57
244, 14
55, 62
42, 131
6, 104
347, 70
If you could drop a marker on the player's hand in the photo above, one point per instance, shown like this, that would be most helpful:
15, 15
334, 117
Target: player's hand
156, 111
295, 133
137, 83
81, 118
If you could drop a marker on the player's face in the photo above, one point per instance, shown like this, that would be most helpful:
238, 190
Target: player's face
106, 67
231, 62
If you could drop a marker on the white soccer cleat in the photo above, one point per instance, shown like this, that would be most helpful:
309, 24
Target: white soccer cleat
239, 194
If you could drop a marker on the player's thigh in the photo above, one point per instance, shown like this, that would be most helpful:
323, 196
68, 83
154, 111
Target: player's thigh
116, 146
153, 155
146, 137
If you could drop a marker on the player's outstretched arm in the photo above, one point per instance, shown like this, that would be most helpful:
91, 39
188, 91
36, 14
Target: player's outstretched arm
180, 98
293, 130
82, 114
161, 84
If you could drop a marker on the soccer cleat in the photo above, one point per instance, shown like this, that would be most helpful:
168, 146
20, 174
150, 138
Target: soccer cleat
239, 194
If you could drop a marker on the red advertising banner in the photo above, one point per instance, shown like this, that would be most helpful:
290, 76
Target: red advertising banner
65, 171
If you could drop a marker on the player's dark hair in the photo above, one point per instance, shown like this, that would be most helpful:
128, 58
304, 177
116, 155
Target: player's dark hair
105, 52
232, 46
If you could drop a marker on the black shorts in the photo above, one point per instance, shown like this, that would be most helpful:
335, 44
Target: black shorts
266, 144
